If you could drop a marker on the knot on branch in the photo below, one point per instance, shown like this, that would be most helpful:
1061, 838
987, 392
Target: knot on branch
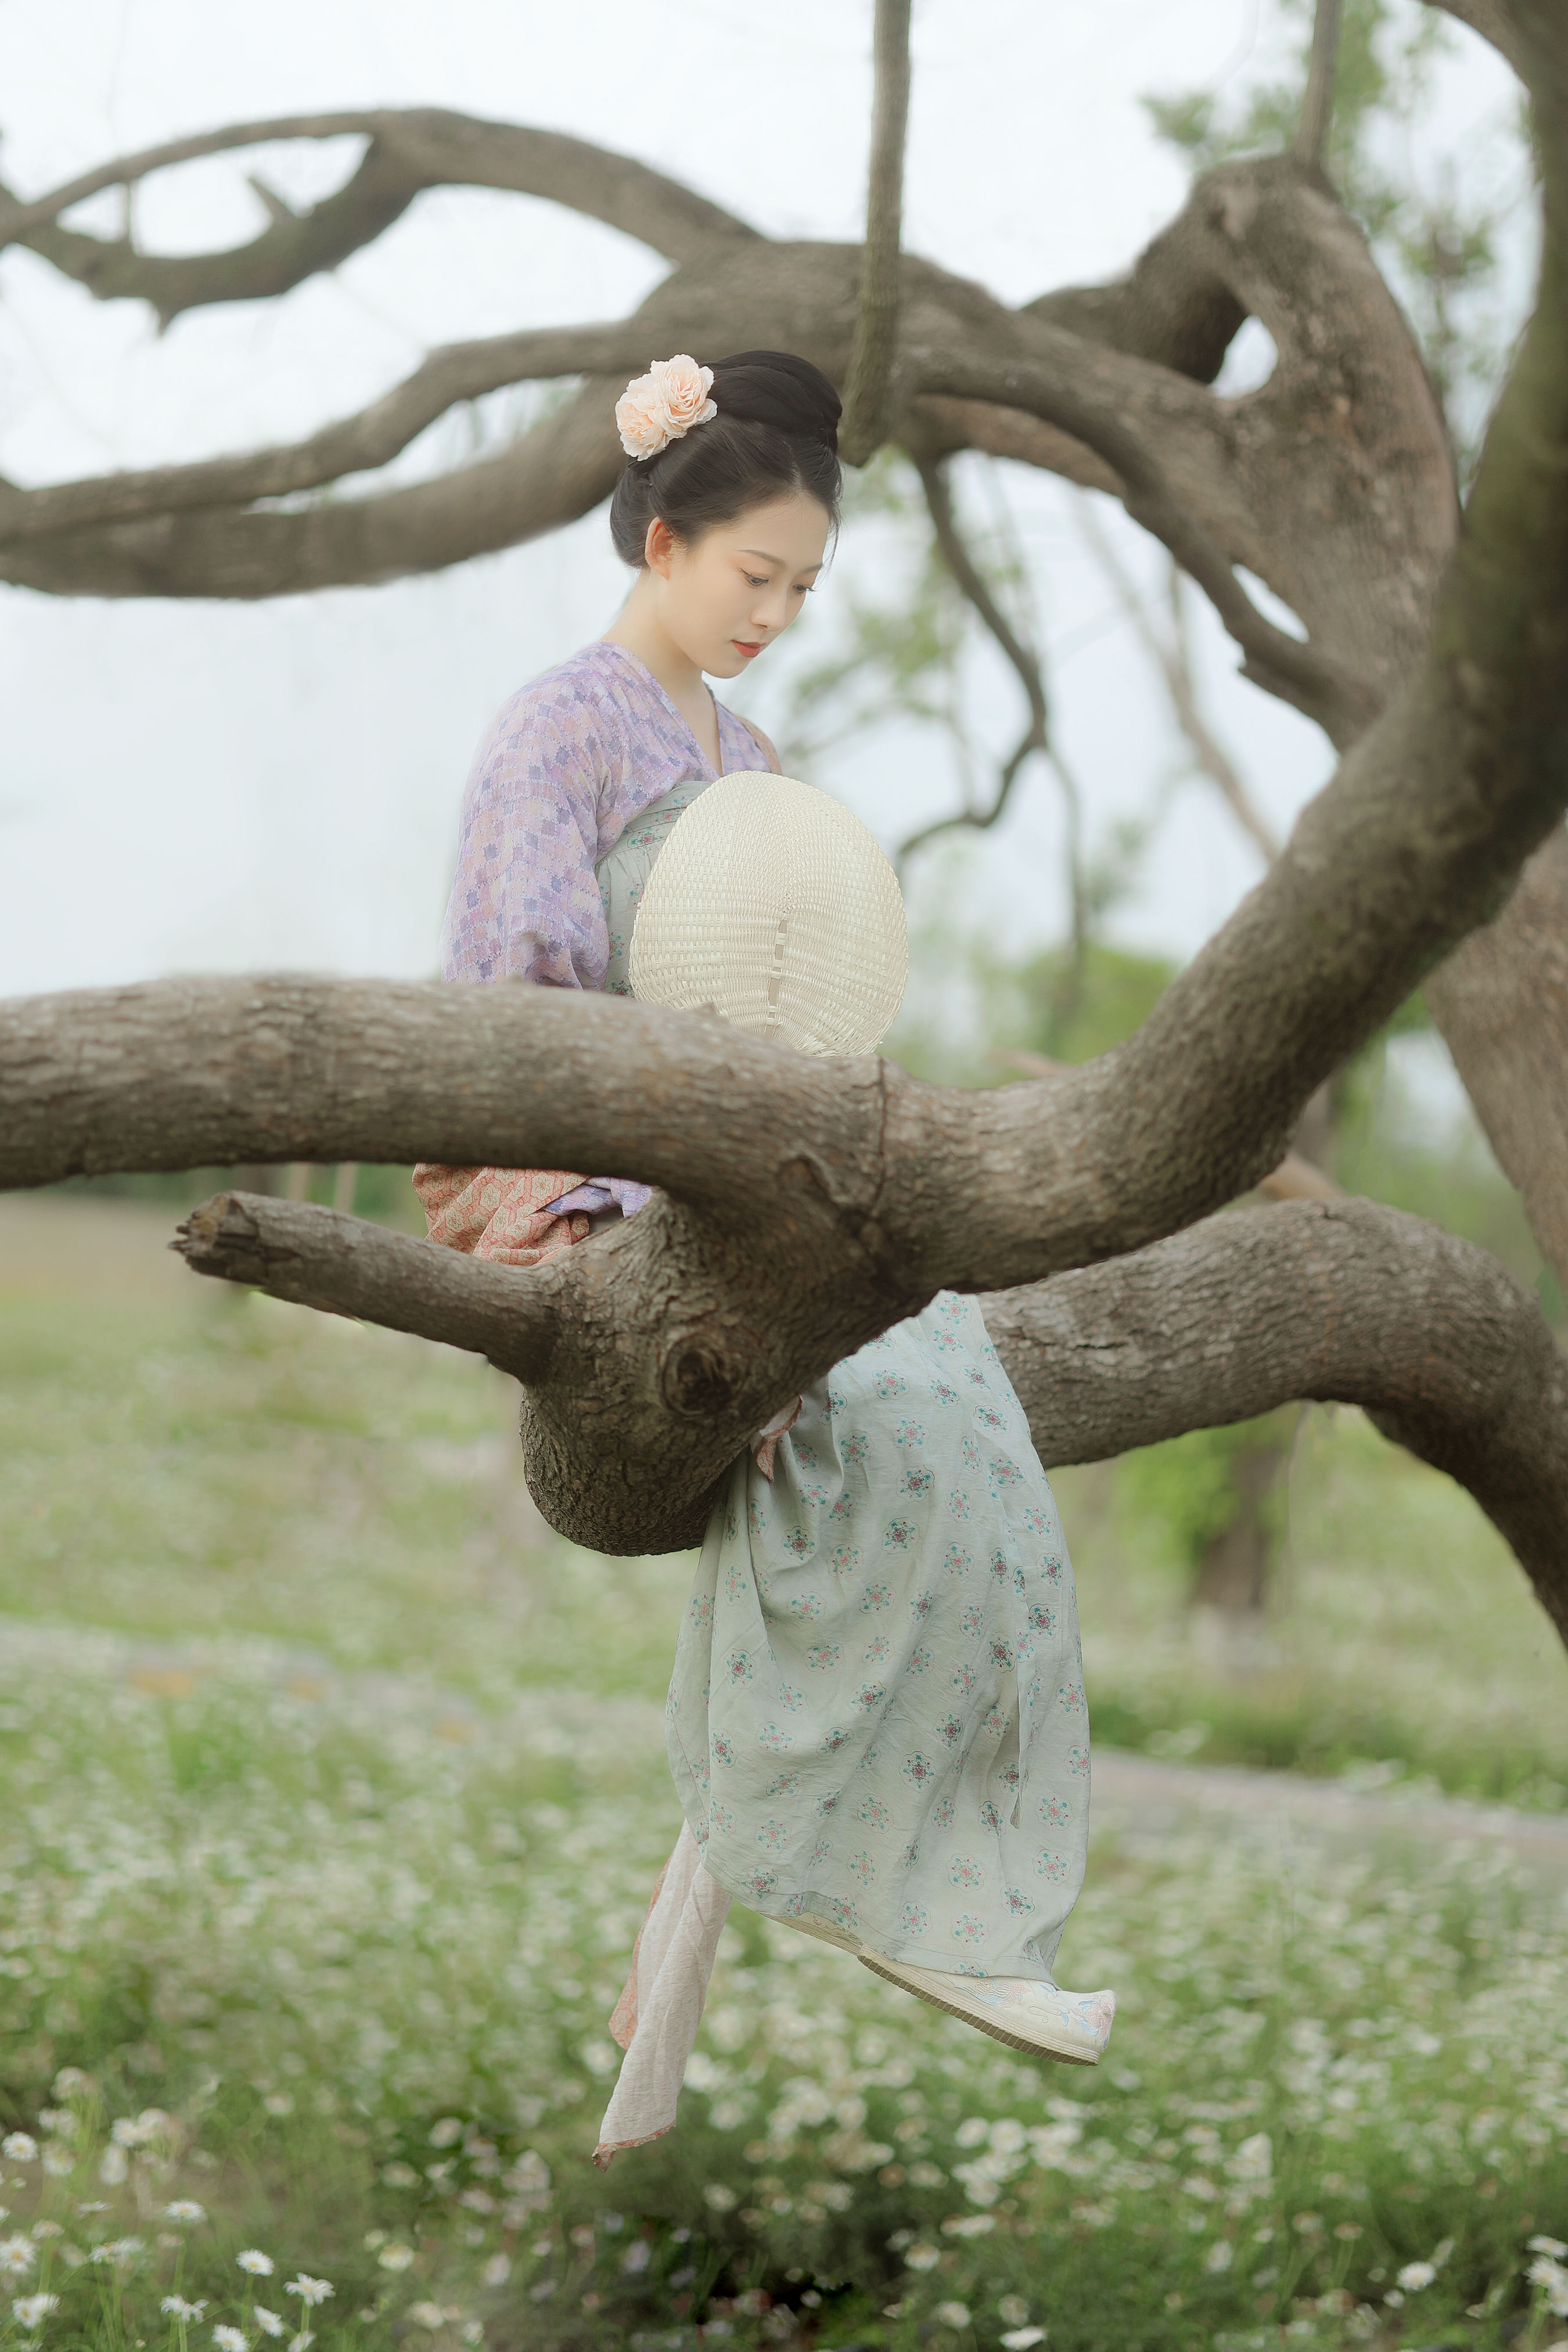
705, 1367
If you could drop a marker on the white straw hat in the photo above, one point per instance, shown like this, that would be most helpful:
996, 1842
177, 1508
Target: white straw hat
772, 906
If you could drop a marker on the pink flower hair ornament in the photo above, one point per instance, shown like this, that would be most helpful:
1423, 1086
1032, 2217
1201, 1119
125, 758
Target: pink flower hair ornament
663, 405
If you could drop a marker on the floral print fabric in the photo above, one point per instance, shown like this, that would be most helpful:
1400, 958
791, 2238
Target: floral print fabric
570, 762
567, 764
877, 1711
515, 1216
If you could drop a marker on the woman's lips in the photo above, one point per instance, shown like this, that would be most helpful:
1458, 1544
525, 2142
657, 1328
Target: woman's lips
750, 651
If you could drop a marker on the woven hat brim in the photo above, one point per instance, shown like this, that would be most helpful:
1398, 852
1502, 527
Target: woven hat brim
772, 905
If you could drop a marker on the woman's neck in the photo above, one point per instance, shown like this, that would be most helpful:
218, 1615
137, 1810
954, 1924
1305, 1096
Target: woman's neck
639, 628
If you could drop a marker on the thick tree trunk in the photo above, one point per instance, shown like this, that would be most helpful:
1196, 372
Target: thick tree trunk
1233, 1569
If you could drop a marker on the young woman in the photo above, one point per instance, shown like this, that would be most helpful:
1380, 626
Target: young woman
724, 510
876, 1722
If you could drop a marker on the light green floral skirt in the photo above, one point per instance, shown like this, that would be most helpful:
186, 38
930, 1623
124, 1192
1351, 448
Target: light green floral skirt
876, 1716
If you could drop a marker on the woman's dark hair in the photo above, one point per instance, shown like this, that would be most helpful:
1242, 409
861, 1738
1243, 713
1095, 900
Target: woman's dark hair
776, 431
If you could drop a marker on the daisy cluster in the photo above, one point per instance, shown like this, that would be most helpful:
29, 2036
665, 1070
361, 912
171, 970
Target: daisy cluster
306, 1965
374, 1956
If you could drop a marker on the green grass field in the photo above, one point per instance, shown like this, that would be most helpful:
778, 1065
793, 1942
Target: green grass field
334, 1793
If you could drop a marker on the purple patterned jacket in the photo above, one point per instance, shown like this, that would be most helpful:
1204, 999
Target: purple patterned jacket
570, 761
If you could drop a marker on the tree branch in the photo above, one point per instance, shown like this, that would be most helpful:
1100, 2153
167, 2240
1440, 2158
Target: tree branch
869, 390
342, 1265
1172, 658
1347, 416
973, 587
1318, 99
1353, 1304
1319, 684
1213, 759
1284, 482
1413, 844
547, 477
409, 151
352, 445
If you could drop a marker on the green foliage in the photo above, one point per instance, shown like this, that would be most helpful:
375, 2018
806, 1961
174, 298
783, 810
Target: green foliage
1385, 1644
384, 1193
1188, 1486
1069, 1008
339, 2019
898, 661
1062, 1006
1073, 1008
1383, 1152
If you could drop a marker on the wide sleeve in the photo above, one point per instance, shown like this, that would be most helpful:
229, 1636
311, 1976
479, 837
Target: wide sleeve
524, 905
505, 1213
525, 902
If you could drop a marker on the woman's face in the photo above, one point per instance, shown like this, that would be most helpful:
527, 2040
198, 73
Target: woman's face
729, 595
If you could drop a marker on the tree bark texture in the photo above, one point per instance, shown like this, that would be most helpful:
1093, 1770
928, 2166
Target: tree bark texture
1513, 1066
1281, 482
1333, 483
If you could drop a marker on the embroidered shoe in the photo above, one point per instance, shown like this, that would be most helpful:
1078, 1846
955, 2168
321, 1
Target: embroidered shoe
1040, 2018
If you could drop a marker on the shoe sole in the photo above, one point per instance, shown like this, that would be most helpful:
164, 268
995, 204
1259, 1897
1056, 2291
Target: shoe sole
1032, 2046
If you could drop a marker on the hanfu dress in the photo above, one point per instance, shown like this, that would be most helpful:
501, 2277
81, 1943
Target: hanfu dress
875, 1723
877, 1717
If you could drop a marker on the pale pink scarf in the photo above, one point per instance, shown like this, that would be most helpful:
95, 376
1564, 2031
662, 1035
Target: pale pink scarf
660, 2008
656, 2017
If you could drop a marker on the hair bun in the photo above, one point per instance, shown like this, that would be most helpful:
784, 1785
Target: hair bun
780, 388
767, 427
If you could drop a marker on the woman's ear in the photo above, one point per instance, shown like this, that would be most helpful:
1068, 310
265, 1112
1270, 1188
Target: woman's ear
660, 546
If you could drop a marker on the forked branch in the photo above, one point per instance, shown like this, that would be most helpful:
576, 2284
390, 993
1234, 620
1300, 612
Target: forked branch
1317, 683
974, 586
370, 438
408, 150
814, 1203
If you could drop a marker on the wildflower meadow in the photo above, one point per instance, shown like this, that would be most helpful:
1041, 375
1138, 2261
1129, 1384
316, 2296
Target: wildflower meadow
334, 1794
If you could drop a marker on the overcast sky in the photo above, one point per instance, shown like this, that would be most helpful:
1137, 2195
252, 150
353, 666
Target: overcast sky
209, 786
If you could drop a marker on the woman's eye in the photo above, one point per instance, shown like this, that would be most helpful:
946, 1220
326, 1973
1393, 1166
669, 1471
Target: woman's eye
755, 581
